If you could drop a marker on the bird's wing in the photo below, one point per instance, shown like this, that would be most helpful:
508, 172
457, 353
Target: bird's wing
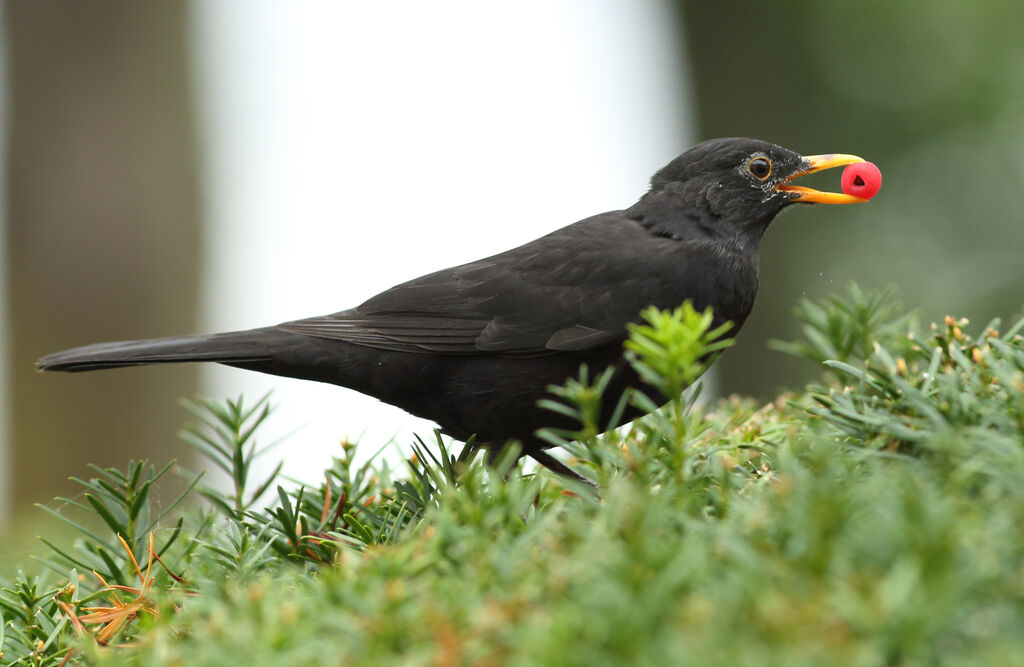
572, 290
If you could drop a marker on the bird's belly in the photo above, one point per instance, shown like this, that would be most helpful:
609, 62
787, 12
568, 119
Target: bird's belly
491, 396
495, 397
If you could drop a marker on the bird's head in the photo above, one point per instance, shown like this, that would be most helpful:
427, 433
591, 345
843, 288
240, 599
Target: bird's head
726, 189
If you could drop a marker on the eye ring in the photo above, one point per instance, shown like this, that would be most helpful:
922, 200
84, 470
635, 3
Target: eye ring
760, 167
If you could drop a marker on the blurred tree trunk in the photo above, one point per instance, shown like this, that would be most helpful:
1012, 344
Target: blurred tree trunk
102, 237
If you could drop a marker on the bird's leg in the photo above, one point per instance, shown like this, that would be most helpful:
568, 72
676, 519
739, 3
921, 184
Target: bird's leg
559, 468
494, 455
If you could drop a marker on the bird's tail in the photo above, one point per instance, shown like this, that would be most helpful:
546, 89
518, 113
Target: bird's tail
225, 348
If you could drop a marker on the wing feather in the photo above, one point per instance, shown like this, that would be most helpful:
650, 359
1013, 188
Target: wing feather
572, 290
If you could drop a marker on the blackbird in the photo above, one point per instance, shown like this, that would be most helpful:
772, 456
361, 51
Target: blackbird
474, 347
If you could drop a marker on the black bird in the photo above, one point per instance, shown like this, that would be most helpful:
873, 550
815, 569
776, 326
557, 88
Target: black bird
474, 347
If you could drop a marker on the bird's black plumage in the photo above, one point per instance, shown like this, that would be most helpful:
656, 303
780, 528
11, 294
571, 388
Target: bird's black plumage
474, 347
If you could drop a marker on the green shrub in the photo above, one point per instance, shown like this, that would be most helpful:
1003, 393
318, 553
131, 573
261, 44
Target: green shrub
875, 518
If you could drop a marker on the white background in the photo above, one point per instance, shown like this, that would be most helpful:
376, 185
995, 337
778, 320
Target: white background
351, 146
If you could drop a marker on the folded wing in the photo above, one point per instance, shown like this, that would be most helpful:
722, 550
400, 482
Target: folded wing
570, 297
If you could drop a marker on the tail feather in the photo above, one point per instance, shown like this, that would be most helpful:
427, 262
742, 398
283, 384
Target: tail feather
236, 347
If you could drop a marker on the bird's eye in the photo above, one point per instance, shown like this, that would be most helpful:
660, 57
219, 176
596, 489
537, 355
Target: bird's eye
760, 167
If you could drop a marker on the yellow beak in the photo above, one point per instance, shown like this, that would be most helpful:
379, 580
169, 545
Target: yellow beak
815, 163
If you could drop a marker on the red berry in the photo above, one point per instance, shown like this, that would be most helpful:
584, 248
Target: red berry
862, 179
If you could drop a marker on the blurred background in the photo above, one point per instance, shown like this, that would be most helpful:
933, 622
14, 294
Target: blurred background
222, 164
